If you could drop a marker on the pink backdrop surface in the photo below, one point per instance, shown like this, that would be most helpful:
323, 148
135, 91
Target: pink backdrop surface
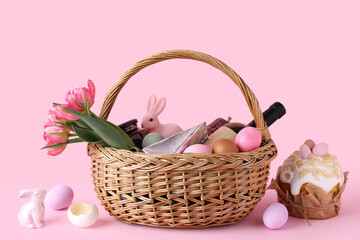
304, 54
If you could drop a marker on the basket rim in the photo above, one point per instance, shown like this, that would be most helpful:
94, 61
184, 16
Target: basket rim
234, 159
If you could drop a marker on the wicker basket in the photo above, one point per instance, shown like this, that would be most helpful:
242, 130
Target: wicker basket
181, 190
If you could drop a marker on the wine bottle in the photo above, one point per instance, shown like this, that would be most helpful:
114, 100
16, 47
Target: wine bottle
273, 113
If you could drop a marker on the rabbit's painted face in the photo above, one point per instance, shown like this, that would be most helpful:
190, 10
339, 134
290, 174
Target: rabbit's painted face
150, 122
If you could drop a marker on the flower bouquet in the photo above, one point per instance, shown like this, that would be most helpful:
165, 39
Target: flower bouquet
74, 122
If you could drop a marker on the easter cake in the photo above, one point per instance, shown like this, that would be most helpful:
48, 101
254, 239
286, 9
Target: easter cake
310, 182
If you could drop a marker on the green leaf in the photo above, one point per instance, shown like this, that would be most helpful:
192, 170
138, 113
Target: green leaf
126, 137
61, 123
87, 135
85, 107
107, 133
81, 123
74, 140
90, 136
70, 125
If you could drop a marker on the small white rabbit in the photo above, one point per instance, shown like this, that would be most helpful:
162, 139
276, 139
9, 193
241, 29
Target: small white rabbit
31, 214
151, 121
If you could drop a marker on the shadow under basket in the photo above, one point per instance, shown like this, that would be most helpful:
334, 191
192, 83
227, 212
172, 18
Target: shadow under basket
182, 190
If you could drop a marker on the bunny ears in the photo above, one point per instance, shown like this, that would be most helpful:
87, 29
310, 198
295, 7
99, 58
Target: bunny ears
155, 107
309, 147
25, 193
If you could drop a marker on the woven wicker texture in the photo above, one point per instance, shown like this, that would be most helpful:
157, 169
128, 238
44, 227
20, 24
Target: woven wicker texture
181, 190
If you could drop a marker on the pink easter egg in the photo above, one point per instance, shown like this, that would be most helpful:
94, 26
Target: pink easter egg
321, 149
59, 197
304, 151
275, 216
248, 139
198, 148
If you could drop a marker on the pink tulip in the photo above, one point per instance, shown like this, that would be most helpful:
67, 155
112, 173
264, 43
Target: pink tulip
56, 134
58, 113
52, 123
74, 99
53, 151
84, 96
53, 134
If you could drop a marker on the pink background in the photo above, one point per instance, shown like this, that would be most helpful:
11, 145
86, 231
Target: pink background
305, 55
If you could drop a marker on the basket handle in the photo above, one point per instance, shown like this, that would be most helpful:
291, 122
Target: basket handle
250, 98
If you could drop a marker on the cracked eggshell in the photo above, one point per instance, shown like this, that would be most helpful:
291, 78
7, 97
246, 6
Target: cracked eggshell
82, 214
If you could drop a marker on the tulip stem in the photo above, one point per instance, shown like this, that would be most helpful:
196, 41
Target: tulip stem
72, 135
74, 140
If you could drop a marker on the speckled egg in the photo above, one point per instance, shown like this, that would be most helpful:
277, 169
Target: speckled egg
59, 197
275, 216
248, 139
151, 138
198, 148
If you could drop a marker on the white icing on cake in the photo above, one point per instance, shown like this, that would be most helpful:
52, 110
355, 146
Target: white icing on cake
324, 172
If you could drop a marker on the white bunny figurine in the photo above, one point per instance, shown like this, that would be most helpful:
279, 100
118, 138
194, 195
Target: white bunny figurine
31, 214
151, 121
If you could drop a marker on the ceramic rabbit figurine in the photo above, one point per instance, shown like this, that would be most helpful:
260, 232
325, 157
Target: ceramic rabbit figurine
151, 121
31, 214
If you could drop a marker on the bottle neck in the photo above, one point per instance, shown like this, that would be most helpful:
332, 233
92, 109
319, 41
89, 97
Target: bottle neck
273, 113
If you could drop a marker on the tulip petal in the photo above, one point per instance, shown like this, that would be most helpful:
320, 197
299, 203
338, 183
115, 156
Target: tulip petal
91, 86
